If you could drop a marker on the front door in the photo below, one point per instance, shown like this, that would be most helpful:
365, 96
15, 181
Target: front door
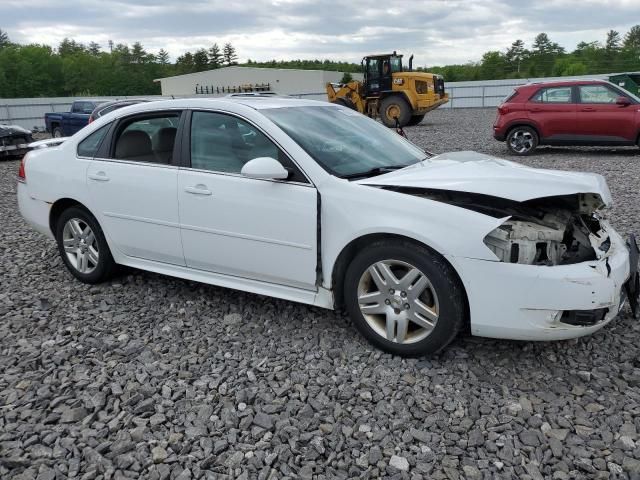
259, 229
601, 119
134, 188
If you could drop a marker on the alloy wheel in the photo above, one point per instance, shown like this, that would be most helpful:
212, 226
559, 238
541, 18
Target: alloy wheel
80, 245
521, 141
398, 301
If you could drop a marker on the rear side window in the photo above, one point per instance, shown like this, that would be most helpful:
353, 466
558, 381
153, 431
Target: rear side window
553, 95
148, 139
90, 145
83, 107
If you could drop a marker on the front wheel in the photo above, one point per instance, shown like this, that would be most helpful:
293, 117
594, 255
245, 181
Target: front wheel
395, 107
82, 246
404, 298
522, 140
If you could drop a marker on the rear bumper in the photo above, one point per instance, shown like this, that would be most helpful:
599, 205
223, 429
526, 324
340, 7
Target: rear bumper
35, 212
499, 134
426, 105
526, 302
14, 150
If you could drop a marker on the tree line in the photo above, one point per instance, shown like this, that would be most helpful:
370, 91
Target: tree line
74, 68
546, 58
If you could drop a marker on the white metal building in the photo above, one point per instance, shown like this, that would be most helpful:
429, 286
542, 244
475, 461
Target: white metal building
284, 81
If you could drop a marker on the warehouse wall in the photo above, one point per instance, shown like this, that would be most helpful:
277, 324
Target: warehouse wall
285, 81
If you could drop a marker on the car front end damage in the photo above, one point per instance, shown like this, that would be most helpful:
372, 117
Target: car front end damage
14, 141
560, 270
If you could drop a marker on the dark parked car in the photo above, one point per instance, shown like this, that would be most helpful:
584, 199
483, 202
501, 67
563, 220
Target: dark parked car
14, 140
109, 107
67, 123
580, 112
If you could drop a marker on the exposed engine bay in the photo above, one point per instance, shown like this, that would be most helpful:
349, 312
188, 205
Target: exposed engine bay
559, 230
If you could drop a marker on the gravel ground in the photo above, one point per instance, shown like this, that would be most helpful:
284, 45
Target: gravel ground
153, 377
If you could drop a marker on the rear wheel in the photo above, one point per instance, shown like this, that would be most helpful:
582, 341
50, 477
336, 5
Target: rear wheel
83, 247
404, 298
415, 120
57, 132
522, 140
392, 107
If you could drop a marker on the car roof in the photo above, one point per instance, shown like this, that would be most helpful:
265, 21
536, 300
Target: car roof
255, 102
560, 83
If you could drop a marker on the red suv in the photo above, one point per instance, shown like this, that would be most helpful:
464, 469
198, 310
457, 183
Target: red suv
578, 112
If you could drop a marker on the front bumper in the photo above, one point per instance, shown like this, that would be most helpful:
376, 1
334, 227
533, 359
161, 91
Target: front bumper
527, 302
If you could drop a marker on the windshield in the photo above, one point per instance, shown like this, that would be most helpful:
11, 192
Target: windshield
344, 142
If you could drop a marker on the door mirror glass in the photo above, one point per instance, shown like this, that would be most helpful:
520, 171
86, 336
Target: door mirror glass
265, 168
623, 101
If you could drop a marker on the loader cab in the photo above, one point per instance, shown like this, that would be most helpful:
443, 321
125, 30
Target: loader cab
378, 72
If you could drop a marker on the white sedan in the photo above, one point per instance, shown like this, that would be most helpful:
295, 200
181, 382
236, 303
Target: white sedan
315, 203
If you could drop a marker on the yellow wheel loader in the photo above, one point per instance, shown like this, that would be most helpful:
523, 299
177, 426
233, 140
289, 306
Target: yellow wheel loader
398, 96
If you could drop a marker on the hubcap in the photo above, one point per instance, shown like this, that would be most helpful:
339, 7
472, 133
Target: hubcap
521, 141
393, 111
398, 301
80, 245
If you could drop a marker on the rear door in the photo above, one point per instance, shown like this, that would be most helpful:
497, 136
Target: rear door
553, 109
601, 119
252, 228
133, 186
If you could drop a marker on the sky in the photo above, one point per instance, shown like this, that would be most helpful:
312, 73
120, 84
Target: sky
437, 32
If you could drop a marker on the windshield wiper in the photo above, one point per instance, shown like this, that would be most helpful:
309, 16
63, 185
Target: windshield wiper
374, 171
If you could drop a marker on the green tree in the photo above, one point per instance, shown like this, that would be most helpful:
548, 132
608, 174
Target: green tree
346, 78
516, 53
184, 64
229, 54
70, 47
4, 39
215, 56
163, 57
613, 41
201, 60
632, 38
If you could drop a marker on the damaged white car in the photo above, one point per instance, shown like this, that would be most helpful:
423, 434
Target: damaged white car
318, 204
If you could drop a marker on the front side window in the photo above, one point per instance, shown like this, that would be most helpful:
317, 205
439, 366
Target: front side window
148, 139
344, 142
90, 145
553, 95
396, 64
597, 94
224, 143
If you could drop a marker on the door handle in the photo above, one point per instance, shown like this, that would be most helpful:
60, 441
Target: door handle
588, 109
100, 176
199, 189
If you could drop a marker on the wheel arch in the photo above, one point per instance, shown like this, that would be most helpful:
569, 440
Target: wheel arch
524, 123
60, 206
397, 93
349, 251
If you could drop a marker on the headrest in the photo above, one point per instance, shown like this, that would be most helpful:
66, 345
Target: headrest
133, 143
164, 139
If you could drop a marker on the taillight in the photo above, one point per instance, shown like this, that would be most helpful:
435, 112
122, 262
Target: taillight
22, 176
502, 109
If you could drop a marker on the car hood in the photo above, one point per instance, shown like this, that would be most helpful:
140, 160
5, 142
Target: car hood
474, 172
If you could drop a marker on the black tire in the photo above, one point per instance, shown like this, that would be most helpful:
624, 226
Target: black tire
395, 104
449, 296
345, 102
522, 140
415, 120
105, 266
57, 132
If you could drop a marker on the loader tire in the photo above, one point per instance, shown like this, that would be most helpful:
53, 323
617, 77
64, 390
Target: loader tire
395, 106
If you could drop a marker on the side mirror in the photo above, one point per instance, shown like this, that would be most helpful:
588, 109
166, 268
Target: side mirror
264, 168
623, 101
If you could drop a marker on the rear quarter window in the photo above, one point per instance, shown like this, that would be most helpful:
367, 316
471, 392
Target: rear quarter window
90, 145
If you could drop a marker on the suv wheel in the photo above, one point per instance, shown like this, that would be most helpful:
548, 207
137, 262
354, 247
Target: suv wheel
403, 298
522, 140
83, 247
